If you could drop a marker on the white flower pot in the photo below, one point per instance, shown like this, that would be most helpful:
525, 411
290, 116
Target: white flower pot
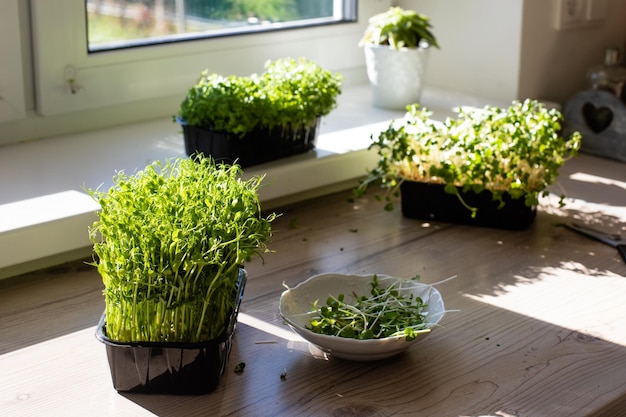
396, 76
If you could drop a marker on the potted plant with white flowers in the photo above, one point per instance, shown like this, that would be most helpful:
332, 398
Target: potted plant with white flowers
170, 244
486, 167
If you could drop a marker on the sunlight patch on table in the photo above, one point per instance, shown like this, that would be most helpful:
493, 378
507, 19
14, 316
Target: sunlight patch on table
571, 297
497, 414
594, 179
294, 341
271, 329
587, 212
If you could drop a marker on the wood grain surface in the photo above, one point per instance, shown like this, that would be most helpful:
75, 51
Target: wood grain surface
536, 327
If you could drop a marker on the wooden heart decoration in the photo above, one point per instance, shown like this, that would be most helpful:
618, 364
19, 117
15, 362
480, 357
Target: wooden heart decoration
597, 118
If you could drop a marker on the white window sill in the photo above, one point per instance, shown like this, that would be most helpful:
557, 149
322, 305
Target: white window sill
42, 198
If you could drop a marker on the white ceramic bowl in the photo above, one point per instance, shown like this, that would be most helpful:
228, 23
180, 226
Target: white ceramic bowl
296, 305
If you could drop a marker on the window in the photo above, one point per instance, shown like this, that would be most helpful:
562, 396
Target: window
74, 72
114, 24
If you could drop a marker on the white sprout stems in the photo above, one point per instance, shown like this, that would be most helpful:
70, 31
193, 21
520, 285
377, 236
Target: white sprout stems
444, 280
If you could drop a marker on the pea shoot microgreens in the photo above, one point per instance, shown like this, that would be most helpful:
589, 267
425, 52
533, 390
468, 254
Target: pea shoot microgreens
385, 312
170, 241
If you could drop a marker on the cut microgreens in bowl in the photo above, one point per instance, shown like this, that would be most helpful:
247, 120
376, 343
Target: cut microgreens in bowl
385, 312
363, 317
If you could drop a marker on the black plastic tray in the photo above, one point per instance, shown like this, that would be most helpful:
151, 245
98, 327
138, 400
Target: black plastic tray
255, 148
431, 202
170, 368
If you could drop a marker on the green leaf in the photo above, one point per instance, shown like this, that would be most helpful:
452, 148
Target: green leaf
399, 28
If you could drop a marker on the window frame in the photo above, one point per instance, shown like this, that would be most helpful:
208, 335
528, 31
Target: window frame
141, 74
12, 93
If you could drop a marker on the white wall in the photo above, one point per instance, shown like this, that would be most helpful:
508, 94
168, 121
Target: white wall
479, 42
510, 49
554, 63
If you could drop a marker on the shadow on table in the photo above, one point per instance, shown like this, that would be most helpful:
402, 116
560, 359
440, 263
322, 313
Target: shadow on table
49, 303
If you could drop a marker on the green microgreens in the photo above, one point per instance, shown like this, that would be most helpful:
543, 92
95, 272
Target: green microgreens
170, 241
386, 312
516, 151
290, 93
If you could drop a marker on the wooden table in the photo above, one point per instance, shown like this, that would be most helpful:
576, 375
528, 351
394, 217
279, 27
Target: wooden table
540, 331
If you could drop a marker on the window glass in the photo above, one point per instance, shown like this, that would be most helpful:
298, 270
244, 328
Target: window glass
115, 24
